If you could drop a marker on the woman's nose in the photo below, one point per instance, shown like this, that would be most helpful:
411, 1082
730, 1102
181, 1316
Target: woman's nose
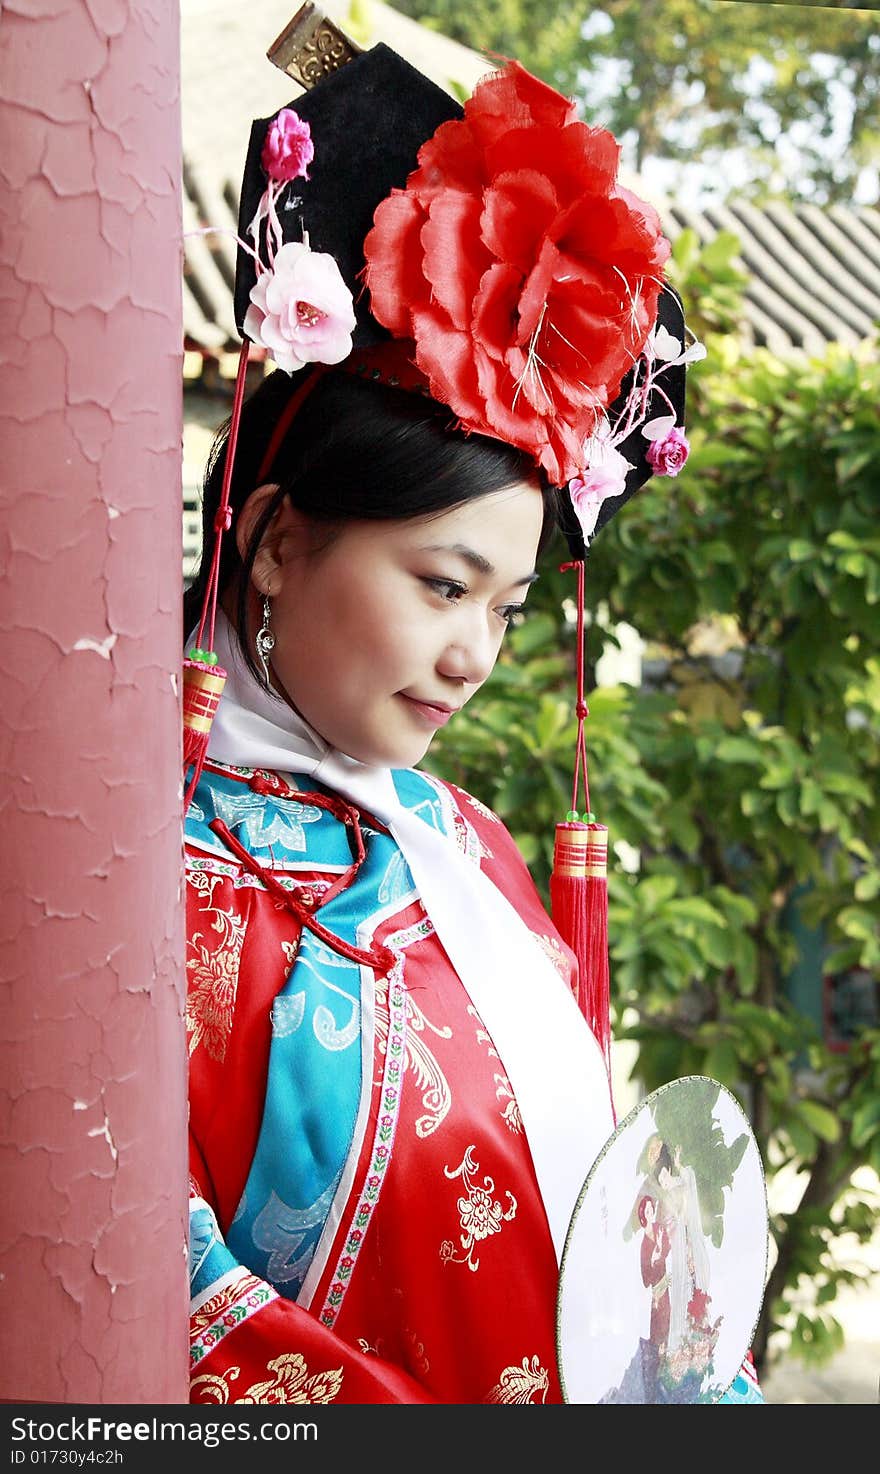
471, 654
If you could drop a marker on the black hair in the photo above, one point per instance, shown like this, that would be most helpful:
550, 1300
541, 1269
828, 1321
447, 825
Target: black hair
355, 449
664, 1159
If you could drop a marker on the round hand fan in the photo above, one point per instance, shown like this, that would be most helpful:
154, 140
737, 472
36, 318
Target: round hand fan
665, 1260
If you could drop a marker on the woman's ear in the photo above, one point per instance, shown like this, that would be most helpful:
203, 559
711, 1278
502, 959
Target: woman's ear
252, 513
269, 559
289, 531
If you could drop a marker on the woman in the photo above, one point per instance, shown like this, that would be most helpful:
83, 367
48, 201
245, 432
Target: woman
655, 1276
394, 1096
689, 1261
383, 626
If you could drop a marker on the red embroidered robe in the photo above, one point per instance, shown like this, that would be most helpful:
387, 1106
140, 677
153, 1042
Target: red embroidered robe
435, 1278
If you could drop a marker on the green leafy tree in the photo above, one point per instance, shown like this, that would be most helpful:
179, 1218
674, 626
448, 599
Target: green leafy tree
796, 88
742, 772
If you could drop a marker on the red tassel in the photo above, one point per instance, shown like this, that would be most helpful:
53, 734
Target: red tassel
579, 900
203, 684
579, 905
203, 678
579, 881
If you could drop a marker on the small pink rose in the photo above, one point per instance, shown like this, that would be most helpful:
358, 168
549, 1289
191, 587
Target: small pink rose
301, 310
604, 476
287, 149
667, 456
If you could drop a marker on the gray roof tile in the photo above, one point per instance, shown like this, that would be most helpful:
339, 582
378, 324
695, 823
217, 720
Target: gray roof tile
814, 274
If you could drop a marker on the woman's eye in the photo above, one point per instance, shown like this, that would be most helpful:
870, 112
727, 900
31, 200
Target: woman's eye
447, 588
451, 590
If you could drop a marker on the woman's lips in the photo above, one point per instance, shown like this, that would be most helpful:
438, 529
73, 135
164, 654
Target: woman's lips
433, 716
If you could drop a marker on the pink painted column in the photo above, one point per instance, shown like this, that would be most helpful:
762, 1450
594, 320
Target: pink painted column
92, 1055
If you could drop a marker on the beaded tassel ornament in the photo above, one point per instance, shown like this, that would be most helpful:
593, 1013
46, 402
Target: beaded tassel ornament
203, 678
579, 880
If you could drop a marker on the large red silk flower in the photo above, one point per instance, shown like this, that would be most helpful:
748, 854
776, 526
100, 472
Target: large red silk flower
527, 276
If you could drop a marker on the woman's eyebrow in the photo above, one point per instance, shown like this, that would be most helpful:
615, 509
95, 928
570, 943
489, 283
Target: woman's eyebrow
476, 560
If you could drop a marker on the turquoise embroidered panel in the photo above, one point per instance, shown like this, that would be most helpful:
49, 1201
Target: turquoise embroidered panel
315, 1050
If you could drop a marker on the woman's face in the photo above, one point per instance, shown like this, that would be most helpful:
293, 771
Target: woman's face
390, 627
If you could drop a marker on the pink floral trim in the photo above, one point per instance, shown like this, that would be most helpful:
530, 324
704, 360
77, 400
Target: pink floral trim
224, 1312
605, 468
382, 1145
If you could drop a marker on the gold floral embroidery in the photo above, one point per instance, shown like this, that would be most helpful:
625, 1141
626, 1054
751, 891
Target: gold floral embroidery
204, 883
417, 1361
291, 1383
213, 973
214, 1388
520, 1384
480, 1214
210, 1002
429, 1077
229, 924
503, 1090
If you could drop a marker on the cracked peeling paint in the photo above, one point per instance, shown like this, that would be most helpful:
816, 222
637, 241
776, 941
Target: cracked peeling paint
108, 1136
100, 647
90, 420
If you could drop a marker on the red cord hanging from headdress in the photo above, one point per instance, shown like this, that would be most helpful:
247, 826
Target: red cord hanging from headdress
579, 881
203, 678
